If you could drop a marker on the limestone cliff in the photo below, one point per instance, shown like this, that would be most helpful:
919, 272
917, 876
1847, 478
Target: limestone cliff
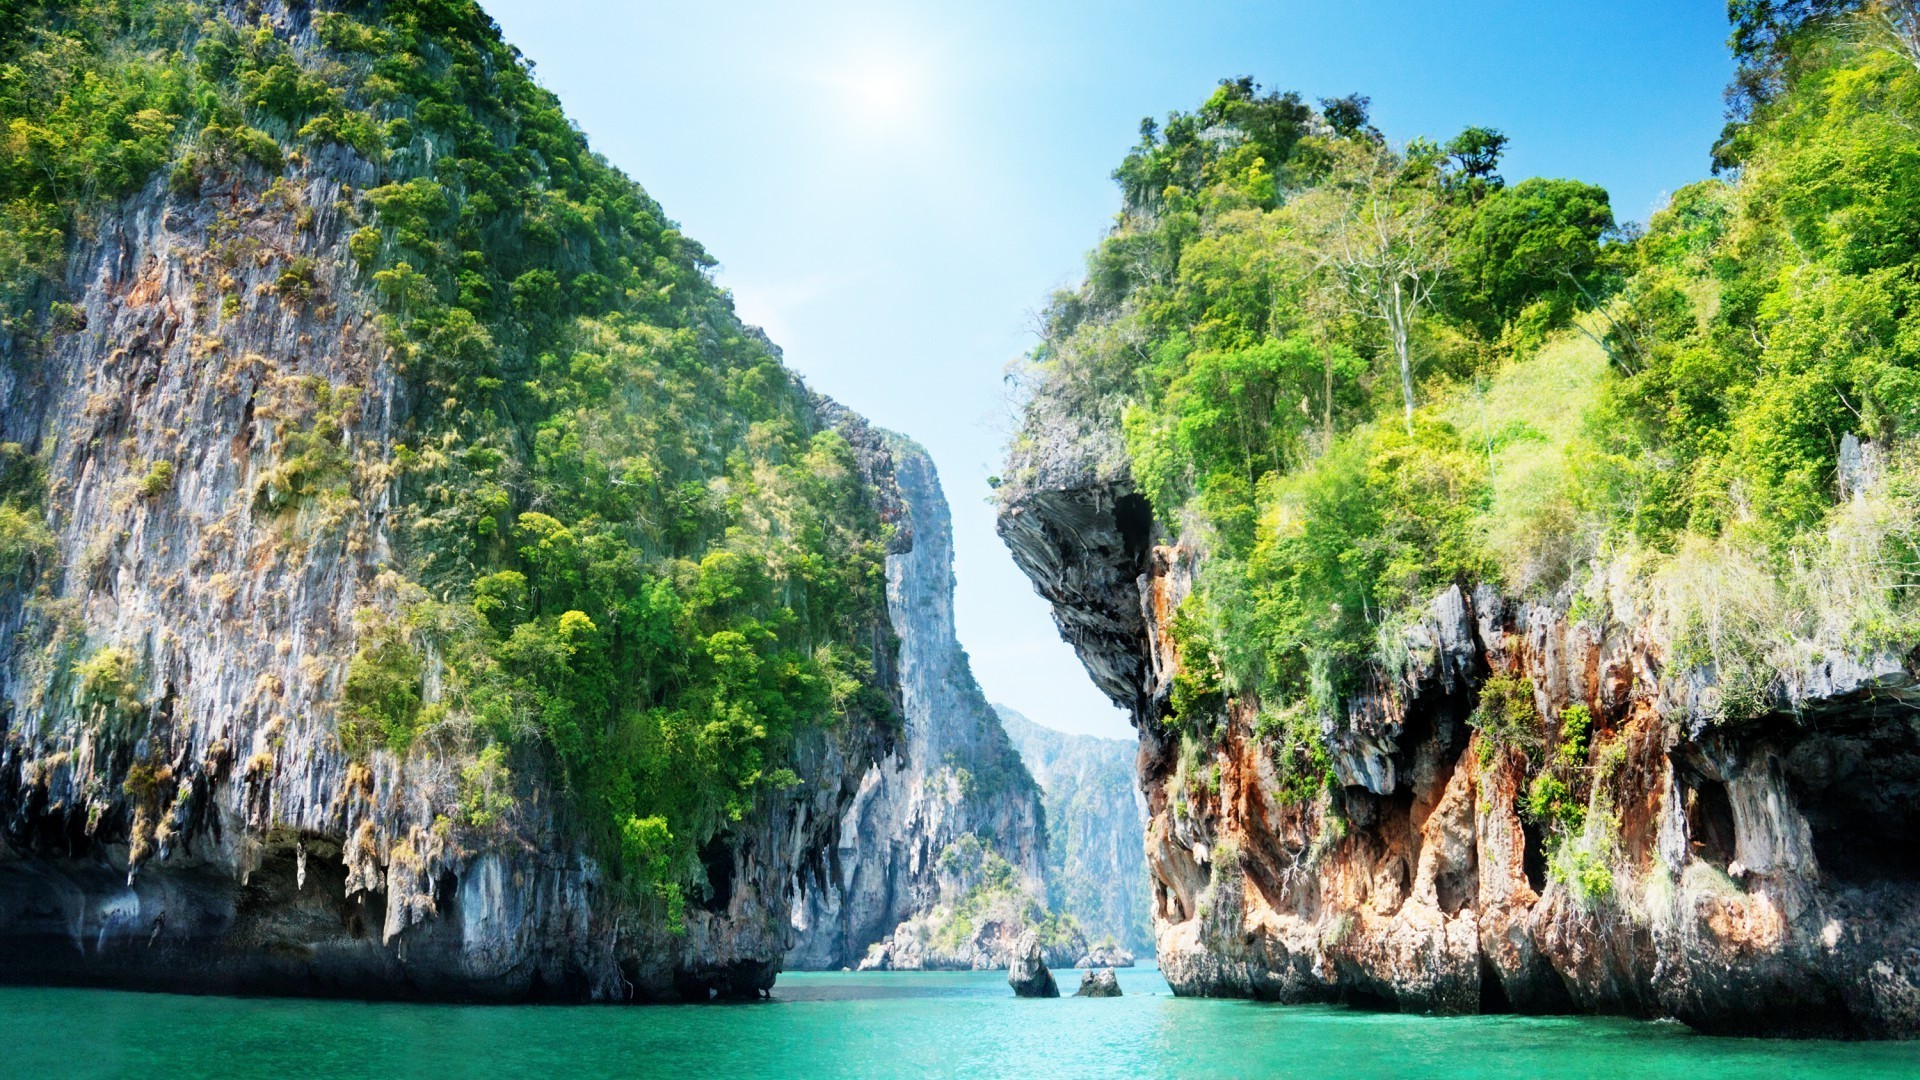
1743, 876
952, 792
228, 417
1096, 868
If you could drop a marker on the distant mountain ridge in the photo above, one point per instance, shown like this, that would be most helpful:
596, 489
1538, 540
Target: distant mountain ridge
1096, 863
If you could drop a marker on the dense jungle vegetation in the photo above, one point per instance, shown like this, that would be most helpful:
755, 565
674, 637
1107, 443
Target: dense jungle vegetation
1353, 373
626, 545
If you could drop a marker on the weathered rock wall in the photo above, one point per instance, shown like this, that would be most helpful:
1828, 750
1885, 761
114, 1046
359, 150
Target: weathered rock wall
1757, 876
176, 809
953, 773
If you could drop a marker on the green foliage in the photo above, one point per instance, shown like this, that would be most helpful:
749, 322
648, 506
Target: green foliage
1475, 157
1300, 757
1550, 800
381, 702
107, 690
158, 481
1766, 323
1506, 716
25, 541
1247, 376
649, 854
1589, 876
314, 416
1557, 798
486, 789
1538, 240
1674, 400
1576, 724
1374, 526
1582, 860
1197, 695
92, 103
1767, 35
231, 146
1267, 127
298, 280
1230, 416
640, 561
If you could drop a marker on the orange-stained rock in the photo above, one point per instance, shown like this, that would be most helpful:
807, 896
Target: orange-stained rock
1753, 876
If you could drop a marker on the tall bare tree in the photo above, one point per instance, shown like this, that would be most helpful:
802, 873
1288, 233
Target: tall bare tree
1380, 237
1900, 20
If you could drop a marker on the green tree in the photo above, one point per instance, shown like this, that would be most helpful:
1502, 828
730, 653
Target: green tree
1475, 156
1539, 240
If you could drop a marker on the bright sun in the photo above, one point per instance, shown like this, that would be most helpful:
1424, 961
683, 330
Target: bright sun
880, 93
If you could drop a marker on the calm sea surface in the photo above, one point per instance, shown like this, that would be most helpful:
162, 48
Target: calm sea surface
893, 1024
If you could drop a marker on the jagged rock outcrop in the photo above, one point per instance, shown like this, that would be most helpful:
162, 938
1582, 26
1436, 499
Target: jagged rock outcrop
1027, 969
1100, 982
1096, 869
179, 811
952, 778
1105, 956
1752, 876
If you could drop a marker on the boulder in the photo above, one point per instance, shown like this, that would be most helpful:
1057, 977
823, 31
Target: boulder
1105, 956
1027, 969
1100, 983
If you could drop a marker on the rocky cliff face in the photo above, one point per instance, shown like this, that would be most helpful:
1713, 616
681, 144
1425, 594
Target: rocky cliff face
177, 808
1753, 876
1096, 867
953, 778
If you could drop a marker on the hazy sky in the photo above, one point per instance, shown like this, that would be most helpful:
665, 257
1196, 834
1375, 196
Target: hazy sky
893, 189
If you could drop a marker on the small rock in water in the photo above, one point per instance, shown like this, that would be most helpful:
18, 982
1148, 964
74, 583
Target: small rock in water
1101, 983
1027, 969
1105, 955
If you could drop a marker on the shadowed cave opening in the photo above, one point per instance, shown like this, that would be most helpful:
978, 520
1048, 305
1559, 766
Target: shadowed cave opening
1865, 841
1493, 993
717, 859
1858, 784
1710, 832
1533, 854
1133, 515
312, 905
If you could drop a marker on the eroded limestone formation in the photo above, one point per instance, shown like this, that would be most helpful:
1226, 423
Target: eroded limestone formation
1743, 876
177, 810
952, 796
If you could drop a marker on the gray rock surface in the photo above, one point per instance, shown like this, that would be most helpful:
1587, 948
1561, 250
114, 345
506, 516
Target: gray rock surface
953, 774
1100, 982
1105, 956
1027, 969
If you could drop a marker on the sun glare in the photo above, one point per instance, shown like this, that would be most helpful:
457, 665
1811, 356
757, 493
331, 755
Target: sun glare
880, 93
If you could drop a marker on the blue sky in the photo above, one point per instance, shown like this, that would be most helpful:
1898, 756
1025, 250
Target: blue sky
893, 189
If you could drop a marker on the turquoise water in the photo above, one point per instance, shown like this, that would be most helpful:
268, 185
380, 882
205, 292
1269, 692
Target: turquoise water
892, 1024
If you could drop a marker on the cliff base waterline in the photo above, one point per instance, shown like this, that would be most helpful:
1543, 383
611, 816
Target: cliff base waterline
880, 1024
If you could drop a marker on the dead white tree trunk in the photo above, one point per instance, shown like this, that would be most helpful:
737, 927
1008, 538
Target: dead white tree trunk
1384, 243
1400, 318
1900, 20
